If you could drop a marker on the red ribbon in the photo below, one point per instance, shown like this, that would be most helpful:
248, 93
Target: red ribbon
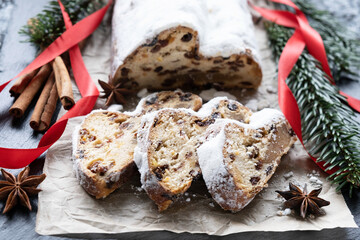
18, 158
304, 35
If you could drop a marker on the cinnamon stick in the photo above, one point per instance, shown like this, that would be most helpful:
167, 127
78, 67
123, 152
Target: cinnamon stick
45, 106
21, 83
24, 100
63, 83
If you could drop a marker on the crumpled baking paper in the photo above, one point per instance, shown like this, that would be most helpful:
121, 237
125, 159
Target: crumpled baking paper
65, 208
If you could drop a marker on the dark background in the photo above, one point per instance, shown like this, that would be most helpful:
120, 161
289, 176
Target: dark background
16, 55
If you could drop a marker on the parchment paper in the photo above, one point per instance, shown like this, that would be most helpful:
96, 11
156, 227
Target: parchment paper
64, 207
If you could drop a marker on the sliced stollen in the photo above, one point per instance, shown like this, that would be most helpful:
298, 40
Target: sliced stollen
103, 145
167, 141
238, 159
162, 44
102, 152
166, 153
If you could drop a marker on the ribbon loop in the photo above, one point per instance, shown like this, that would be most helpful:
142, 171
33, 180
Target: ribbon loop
304, 35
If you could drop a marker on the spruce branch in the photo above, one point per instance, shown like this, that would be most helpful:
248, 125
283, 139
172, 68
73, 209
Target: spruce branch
48, 25
342, 45
330, 131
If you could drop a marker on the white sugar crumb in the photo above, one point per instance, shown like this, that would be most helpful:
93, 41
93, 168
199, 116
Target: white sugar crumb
142, 93
271, 89
139, 189
257, 105
186, 194
285, 212
252, 104
288, 175
211, 93
188, 200
115, 107
211, 204
206, 95
314, 180
313, 173
224, 94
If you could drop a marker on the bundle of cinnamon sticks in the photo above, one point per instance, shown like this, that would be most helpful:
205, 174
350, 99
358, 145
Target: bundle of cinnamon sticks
53, 80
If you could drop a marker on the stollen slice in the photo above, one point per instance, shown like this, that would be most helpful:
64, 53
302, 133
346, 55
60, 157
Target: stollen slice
166, 154
237, 159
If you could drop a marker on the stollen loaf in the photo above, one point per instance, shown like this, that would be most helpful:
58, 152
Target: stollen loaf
164, 44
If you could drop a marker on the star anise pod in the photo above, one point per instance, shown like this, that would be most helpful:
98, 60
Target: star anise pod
114, 93
18, 189
301, 200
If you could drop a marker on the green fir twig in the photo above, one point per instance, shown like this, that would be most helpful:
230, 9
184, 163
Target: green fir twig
342, 45
330, 131
48, 25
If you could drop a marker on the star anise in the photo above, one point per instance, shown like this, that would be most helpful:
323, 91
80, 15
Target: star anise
114, 93
18, 189
301, 200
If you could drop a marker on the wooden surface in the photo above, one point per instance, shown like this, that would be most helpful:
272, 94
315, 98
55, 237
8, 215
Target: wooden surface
15, 55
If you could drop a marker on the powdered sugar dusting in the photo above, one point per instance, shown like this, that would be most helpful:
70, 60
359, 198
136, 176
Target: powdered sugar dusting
215, 174
140, 151
265, 117
208, 107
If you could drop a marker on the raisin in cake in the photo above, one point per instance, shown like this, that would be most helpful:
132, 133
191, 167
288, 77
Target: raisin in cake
237, 159
162, 44
167, 141
104, 143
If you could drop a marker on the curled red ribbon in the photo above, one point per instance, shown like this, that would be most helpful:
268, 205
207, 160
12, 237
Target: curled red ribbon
18, 158
304, 35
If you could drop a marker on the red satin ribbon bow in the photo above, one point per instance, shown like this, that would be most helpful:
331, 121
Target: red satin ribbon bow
18, 158
304, 35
